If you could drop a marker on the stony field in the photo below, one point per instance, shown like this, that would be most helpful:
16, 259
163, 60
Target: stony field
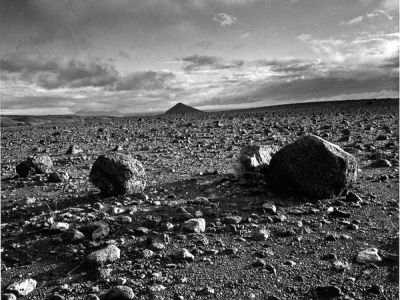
198, 231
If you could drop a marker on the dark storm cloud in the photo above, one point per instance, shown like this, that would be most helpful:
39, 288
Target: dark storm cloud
148, 80
78, 74
311, 88
390, 62
25, 63
52, 74
287, 65
198, 62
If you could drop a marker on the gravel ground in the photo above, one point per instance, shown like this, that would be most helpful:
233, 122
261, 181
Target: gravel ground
309, 252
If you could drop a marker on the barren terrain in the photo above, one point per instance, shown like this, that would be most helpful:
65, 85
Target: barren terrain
189, 161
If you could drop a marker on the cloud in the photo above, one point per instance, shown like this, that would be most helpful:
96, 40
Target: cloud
366, 48
77, 25
245, 35
263, 82
198, 62
368, 16
124, 55
57, 74
148, 80
53, 73
379, 12
79, 74
391, 5
294, 67
368, 65
354, 21
304, 37
13, 63
204, 45
304, 89
224, 19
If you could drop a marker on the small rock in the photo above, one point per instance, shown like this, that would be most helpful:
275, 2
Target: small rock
270, 268
125, 219
201, 201
8, 296
337, 213
382, 137
230, 251
331, 237
254, 157
62, 226
353, 226
345, 237
101, 232
232, 220
35, 165
142, 230
290, 263
184, 255
58, 177
156, 245
376, 289
272, 297
261, 235
22, 287
120, 292
120, 281
381, 163
157, 288
76, 235
103, 273
269, 208
147, 253
195, 225
30, 200
340, 266
327, 292
353, 197
167, 226
117, 148
264, 253
73, 149
109, 254
279, 218
368, 255
206, 291
259, 263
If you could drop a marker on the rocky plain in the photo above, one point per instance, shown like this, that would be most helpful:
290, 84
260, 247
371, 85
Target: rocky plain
196, 221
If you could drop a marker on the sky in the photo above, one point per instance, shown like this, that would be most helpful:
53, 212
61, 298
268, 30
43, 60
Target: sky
144, 56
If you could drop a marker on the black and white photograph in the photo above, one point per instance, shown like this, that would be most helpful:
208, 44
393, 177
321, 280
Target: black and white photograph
199, 149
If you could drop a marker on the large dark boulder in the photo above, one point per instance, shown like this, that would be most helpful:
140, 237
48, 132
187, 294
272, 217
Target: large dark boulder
312, 167
117, 173
35, 165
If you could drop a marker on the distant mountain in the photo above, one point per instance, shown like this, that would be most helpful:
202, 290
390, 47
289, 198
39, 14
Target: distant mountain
181, 108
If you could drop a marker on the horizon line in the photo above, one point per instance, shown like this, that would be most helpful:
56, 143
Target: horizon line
121, 115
